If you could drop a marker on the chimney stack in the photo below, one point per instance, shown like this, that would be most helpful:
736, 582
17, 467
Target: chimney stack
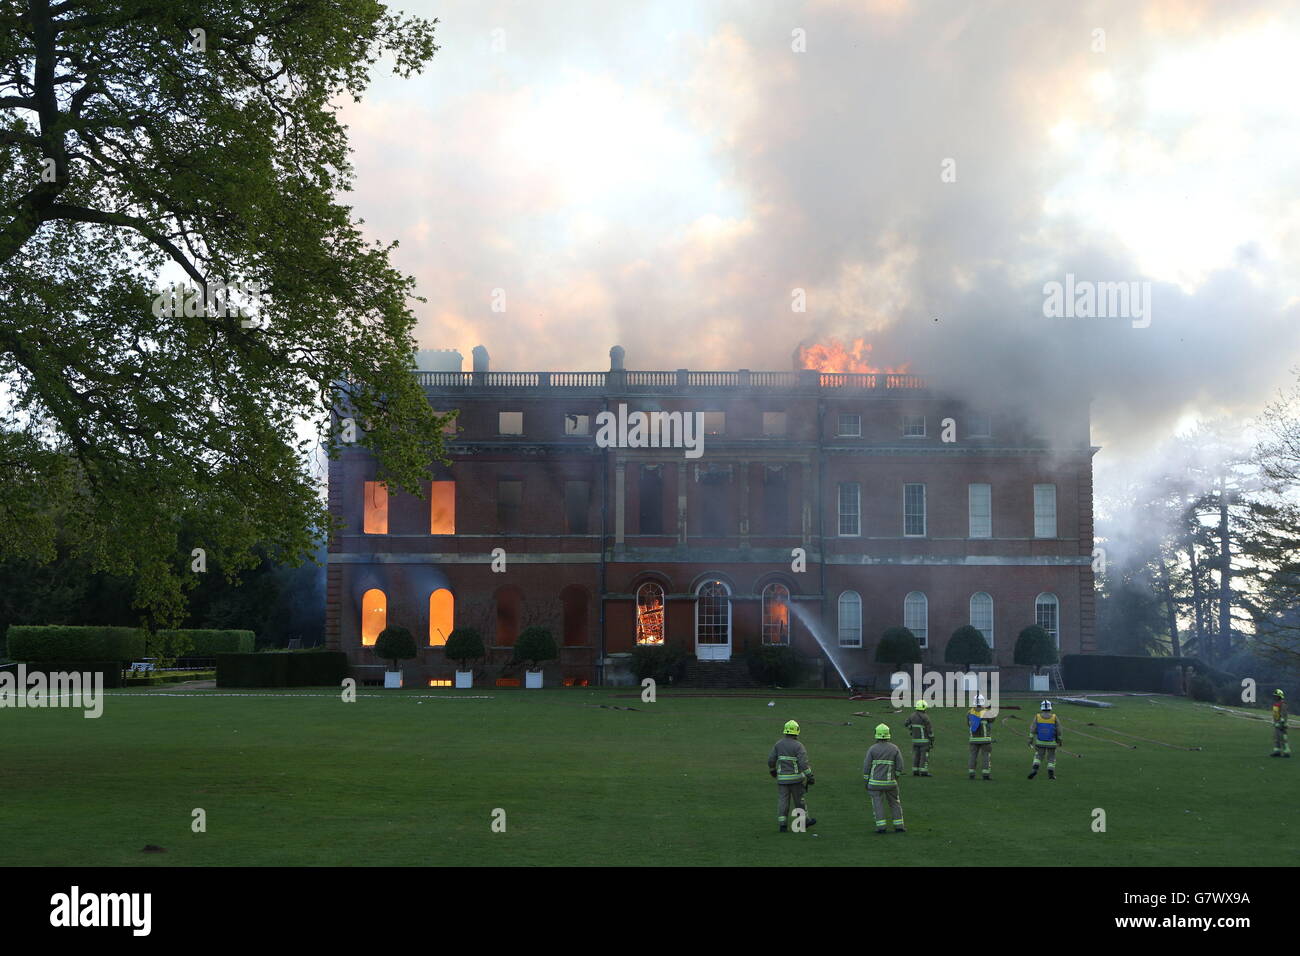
480, 358
616, 359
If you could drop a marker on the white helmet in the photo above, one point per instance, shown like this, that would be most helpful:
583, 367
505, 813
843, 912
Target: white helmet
1045, 705
980, 701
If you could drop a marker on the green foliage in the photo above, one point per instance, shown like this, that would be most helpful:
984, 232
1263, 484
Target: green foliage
318, 668
136, 428
57, 642
534, 646
664, 663
898, 646
1036, 648
1202, 688
111, 671
776, 664
395, 643
465, 644
968, 648
207, 642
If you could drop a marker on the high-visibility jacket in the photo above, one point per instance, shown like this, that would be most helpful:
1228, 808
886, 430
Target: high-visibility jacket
1279, 714
883, 764
919, 726
790, 760
1045, 730
980, 725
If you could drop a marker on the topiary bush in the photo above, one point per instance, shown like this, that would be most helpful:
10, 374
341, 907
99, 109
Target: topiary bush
395, 643
1036, 648
967, 647
664, 663
465, 644
775, 664
534, 647
898, 646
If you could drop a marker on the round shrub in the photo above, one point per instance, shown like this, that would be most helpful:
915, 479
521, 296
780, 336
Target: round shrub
967, 647
534, 646
395, 643
465, 644
898, 646
775, 664
1036, 648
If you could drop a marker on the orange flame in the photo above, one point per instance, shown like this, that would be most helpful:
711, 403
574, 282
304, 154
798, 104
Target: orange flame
834, 357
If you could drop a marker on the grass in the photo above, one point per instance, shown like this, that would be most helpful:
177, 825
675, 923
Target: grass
413, 777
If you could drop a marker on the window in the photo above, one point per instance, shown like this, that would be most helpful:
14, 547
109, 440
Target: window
850, 426
577, 424
508, 601
442, 607
713, 613
651, 499
650, 613
714, 423
1044, 511
1047, 614
913, 426
375, 520
510, 423
450, 427
980, 503
374, 616
716, 509
914, 511
773, 424
577, 502
510, 495
776, 614
850, 617
979, 426
442, 507
850, 513
981, 615
916, 616
573, 600
776, 500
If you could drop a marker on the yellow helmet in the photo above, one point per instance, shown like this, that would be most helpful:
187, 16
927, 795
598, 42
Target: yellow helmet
921, 705
1278, 693
792, 727
882, 731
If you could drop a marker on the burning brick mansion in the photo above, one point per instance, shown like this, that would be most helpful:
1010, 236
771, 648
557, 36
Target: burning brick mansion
819, 509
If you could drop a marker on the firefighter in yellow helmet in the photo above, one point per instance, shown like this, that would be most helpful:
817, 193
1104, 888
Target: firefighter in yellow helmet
918, 725
880, 771
788, 763
1280, 746
980, 725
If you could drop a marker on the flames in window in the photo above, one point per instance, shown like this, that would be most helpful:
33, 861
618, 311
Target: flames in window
650, 614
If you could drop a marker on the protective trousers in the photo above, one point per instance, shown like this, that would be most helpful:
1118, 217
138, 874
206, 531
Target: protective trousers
920, 756
879, 799
1049, 753
976, 750
789, 797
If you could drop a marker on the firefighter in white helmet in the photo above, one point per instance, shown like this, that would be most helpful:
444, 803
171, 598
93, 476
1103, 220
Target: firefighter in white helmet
1045, 737
980, 725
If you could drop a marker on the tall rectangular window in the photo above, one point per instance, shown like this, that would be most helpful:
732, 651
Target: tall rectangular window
375, 514
850, 426
980, 504
714, 423
716, 512
914, 511
449, 427
776, 500
913, 426
979, 426
850, 509
510, 423
577, 501
510, 495
651, 488
773, 424
442, 507
577, 424
1044, 511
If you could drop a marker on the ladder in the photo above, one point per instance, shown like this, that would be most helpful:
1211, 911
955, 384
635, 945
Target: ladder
1058, 681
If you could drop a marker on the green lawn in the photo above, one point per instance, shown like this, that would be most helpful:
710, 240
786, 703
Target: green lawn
412, 777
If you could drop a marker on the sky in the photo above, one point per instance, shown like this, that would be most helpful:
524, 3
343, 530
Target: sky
665, 177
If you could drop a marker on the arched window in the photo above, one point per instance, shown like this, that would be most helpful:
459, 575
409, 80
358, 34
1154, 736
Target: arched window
508, 601
650, 613
442, 608
1047, 614
573, 600
713, 614
981, 615
776, 614
916, 617
850, 618
374, 616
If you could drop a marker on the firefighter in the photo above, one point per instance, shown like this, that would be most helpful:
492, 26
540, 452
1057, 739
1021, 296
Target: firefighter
1045, 737
880, 770
1280, 746
788, 763
980, 725
918, 725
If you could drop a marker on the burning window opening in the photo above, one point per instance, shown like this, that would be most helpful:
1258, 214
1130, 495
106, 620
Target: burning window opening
650, 614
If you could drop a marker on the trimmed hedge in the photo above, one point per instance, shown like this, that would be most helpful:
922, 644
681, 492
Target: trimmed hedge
112, 670
58, 642
210, 642
282, 669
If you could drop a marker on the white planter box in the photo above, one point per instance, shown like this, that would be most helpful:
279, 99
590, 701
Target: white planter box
1039, 683
392, 679
464, 679
532, 680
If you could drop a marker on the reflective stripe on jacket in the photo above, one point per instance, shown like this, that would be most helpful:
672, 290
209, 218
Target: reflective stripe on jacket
790, 760
979, 729
882, 765
919, 726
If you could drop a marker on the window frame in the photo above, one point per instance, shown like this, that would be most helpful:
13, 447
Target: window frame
970, 509
906, 515
839, 617
857, 509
